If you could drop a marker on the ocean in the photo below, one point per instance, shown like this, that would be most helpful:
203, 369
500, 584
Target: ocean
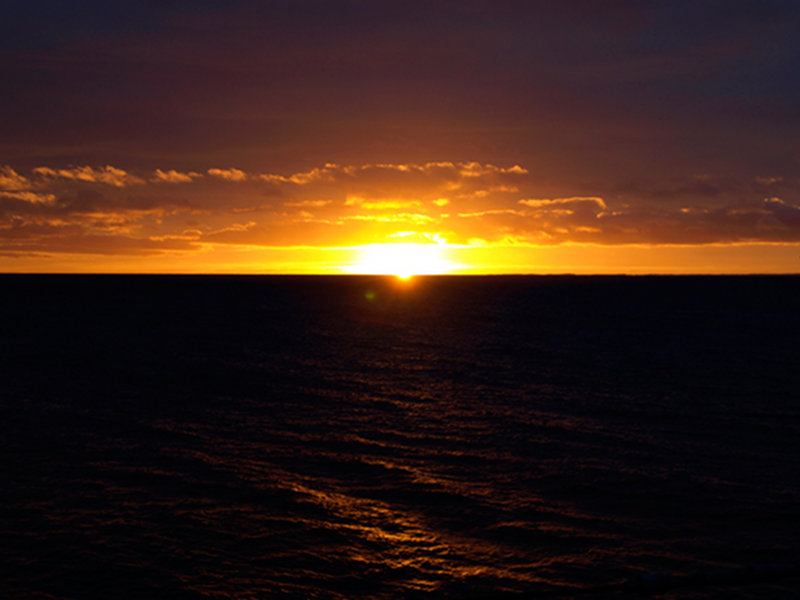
359, 437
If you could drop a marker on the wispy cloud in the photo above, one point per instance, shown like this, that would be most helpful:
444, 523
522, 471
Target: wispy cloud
107, 175
30, 197
389, 172
12, 181
173, 176
235, 175
591, 220
327, 172
551, 203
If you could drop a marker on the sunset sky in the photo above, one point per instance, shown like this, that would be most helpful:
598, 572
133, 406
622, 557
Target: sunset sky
292, 136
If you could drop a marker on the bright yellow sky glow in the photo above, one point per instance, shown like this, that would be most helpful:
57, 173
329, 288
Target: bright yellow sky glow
403, 260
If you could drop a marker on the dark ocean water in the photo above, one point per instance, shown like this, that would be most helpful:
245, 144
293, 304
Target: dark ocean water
359, 437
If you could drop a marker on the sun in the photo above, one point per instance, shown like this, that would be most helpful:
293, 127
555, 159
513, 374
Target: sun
402, 260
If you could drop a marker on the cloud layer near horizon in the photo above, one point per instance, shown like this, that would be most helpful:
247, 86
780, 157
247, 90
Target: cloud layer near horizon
109, 210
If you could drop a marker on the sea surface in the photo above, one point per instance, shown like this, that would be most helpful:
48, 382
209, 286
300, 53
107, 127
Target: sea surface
348, 437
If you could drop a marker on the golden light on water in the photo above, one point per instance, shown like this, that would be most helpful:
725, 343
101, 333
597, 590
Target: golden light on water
402, 260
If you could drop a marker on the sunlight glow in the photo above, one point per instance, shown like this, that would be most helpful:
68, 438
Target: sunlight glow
402, 260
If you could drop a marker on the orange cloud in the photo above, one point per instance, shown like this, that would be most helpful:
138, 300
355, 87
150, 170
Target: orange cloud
476, 169
551, 202
589, 220
235, 175
327, 172
30, 197
12, 181
173, 176
387, 173
415, 218
107, 175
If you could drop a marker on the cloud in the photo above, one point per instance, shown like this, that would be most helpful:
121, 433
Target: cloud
173, 176
17, 187
564, 202
415, 218
12, 181
30, 197
328, 172
107, 175
345, 205
476, 169
234, 175
385, 205
592, 220
391, 204
21, 236
388, 173
786, 214
496, 211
